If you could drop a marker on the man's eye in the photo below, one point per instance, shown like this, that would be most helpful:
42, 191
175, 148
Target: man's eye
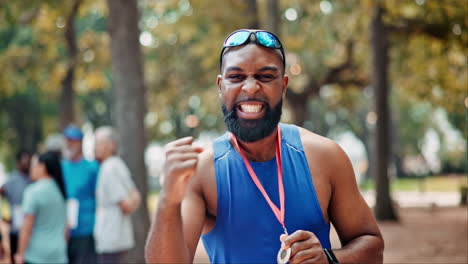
265, 77
235, 77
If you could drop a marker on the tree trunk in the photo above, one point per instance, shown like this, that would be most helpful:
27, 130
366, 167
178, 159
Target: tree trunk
67, 96
66, 112
380, 59
24, 117
252, 14
273, 18
127, 71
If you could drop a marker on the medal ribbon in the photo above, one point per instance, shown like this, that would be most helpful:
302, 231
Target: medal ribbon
279, 213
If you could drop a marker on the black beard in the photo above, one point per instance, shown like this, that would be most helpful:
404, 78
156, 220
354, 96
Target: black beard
251, 130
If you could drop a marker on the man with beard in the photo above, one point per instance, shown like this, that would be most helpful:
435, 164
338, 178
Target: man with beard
80, 177
264, 191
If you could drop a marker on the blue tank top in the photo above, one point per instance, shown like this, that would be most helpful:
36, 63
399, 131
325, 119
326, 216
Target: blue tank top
246, 229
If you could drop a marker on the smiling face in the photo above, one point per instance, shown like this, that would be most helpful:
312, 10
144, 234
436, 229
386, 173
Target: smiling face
251, 87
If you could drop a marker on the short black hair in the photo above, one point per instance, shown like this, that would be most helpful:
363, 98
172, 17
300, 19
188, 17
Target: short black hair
51, 160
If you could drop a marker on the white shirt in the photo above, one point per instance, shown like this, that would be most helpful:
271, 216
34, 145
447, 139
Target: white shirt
113, 231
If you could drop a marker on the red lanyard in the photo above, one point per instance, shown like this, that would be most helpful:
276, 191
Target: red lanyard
279, 213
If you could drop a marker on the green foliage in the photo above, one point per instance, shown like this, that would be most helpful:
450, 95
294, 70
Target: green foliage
181, 62
181, 43
34, 58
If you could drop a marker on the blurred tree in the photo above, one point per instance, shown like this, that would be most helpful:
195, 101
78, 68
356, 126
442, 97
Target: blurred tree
19, 92
34, 54
272, 22
324, 56
181, 42
129, 87
251, 10
380, 60
404, 19
67, 95
23, 118
97, 107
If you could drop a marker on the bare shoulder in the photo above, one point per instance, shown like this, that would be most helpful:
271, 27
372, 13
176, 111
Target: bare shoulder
322, 149
205, 162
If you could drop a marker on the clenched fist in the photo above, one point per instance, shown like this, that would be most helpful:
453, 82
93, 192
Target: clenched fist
180, 162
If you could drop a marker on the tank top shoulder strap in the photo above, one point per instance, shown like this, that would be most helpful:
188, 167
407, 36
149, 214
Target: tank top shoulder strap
221, 146
290, 135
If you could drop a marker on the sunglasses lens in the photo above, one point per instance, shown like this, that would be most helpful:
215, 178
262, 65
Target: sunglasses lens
268, 40
237, 38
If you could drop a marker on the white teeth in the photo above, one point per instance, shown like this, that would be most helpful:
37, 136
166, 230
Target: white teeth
251, 108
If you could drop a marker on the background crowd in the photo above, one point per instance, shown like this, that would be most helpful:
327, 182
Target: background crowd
65, 208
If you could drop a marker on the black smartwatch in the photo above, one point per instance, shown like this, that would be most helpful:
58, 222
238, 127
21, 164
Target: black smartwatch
330, 256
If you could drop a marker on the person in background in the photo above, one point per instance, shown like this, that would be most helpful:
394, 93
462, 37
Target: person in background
13, 190
43, 232
117, 198
80, 177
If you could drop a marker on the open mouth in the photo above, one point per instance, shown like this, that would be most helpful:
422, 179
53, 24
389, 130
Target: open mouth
251, 110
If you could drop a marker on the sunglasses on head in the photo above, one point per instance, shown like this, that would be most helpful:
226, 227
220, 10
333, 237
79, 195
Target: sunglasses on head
261, 37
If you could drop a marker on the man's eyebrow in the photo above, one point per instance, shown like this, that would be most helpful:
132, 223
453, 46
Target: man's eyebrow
268, 68
233, 68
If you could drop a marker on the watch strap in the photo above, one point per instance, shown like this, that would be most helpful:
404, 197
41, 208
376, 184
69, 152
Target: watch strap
330, 256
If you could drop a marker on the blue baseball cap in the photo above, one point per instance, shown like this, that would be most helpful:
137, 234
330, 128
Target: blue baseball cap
73, 132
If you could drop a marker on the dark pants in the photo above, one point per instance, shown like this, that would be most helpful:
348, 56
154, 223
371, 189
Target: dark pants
14, 237
81, 250
111, 258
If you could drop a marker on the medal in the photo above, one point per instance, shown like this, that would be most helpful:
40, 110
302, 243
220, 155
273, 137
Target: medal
283, 254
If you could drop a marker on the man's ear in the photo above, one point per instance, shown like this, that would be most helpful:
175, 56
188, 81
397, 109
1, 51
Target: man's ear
285, 84
219, 79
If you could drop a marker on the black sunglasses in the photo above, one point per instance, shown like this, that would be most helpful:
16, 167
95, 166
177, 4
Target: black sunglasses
261, 37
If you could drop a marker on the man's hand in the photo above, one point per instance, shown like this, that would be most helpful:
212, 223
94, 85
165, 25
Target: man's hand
305, 247
181, 160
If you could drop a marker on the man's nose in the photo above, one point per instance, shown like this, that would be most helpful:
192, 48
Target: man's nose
251, 86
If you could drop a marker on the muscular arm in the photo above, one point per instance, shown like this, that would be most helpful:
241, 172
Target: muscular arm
178, 223
354, 222
342, 202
